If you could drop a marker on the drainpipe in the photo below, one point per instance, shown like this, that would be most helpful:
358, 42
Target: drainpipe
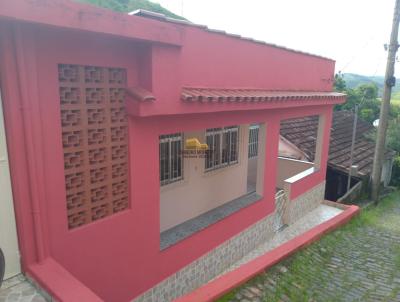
28, 138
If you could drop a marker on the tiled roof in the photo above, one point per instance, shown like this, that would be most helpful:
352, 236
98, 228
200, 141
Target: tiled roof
162, 17
140, 94
244, 95
303, 131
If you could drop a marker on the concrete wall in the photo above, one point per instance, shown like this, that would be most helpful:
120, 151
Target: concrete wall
202, 191
252, 171
288, 168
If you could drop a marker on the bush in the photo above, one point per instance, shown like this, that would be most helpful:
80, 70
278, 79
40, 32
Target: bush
367, 114
396, 172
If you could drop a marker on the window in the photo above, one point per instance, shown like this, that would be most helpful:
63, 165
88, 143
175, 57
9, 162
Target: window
171, 165
223, 146
253, 140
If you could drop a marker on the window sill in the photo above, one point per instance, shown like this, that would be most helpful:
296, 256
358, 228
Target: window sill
301, 175
173, 185
188, 228
220, 169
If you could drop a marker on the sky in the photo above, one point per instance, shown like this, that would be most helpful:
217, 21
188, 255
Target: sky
352, 32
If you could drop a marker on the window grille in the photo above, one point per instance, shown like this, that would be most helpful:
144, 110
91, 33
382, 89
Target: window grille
223, 147
253, 140
171, 164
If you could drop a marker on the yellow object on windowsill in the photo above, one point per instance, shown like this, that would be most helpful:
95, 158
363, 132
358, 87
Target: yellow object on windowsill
193, 143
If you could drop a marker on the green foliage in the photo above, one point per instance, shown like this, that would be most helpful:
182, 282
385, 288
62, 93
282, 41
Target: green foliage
393, 135
396, 172
131, 5
340, 84
393, 142
394, 110
365, 95
367, 114
354, 80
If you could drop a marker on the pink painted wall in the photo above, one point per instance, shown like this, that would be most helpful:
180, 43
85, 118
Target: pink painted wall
118, 257
199, 64
249, 65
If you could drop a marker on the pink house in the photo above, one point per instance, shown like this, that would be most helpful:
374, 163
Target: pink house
110, 202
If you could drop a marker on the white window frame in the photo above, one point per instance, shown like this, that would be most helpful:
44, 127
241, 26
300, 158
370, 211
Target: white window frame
215, 140
172, 170
254, 131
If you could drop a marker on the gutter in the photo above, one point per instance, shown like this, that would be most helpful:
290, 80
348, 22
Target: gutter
28, 138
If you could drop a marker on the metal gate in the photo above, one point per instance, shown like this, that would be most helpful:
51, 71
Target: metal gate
280, 208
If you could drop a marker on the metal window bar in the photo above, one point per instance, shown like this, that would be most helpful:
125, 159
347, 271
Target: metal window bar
223, 147
234, 132
253, 140
171, 166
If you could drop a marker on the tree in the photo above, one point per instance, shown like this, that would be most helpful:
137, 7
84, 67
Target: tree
393, 135
340, 84
364, 95
396, 172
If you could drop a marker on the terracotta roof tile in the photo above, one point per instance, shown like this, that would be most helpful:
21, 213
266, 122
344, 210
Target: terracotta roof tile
303, 131
191, 94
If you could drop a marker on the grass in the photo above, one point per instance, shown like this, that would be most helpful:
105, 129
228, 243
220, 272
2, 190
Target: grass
395, 99
396, 252
395, 102
296, 285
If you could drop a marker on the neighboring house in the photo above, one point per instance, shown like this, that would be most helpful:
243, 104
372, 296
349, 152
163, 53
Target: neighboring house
301, 133
98, 105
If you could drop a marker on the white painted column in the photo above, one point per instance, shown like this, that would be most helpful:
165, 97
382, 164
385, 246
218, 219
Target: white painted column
319, 140
8, 230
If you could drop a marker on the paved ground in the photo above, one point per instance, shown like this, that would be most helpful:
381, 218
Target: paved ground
360, 262
17, 289
315, 217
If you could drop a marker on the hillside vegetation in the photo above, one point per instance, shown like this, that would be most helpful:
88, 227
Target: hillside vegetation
354, 80
131, 5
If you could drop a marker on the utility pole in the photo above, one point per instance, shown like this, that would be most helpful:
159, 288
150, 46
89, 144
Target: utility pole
385, 106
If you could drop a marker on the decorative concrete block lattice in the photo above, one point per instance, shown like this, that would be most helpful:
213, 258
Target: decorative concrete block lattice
95, 142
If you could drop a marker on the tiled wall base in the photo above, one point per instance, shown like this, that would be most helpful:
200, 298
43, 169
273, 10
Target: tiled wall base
213, 263
40, 290
305, 203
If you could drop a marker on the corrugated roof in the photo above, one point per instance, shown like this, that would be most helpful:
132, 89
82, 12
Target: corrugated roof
303, 132
162, 17
191, 94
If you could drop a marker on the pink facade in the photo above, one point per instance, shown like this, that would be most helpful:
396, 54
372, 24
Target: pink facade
118, 257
